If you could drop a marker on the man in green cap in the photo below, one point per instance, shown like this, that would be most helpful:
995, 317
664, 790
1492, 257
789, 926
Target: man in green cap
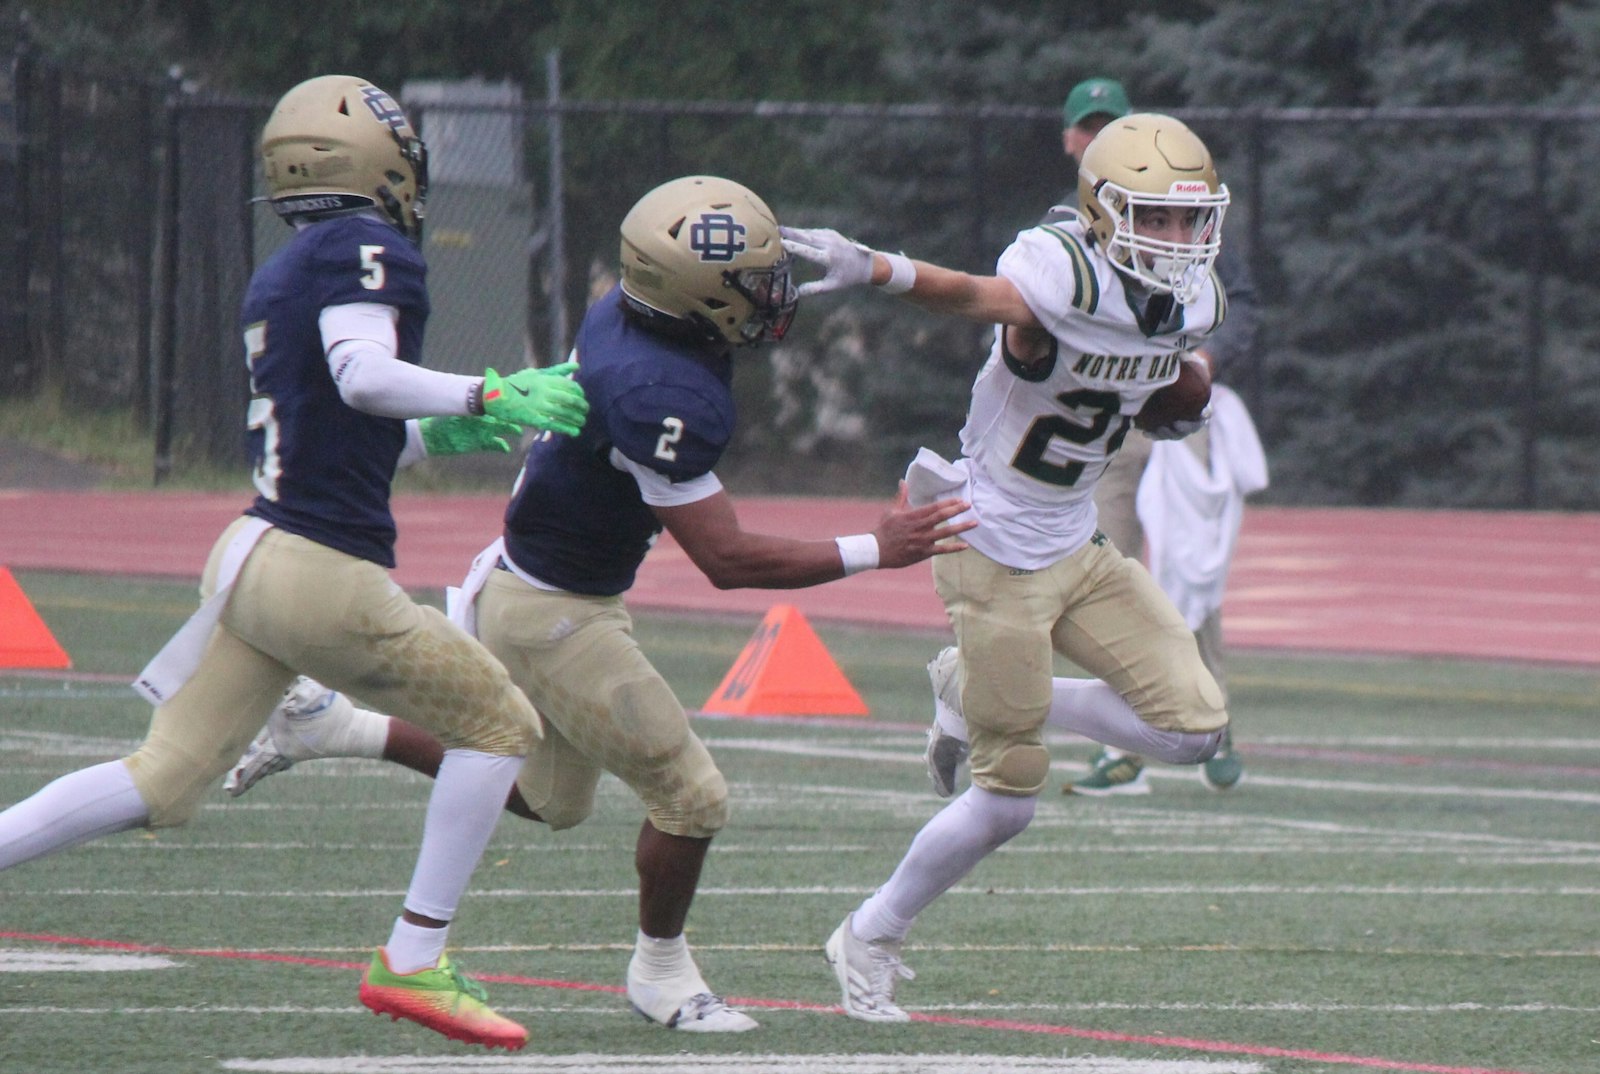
1092, 104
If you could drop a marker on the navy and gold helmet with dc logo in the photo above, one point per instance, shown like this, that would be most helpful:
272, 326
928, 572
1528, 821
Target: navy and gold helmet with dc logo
705, 253
337, 144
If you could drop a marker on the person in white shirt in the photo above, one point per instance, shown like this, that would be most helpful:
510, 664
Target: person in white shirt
1093, 315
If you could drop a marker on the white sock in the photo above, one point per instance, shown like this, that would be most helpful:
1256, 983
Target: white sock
340, 729
468, 797
947, 848
414, 947
1091, 708
76, 808
363, 733
655, 959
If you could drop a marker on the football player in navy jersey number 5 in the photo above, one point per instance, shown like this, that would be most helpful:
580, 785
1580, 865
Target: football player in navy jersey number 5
299, 584
703, 272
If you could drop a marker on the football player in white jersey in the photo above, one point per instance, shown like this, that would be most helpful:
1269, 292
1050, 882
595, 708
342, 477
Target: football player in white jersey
1093, 314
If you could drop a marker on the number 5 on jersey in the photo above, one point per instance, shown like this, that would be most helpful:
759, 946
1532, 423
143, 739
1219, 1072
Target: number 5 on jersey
372, 268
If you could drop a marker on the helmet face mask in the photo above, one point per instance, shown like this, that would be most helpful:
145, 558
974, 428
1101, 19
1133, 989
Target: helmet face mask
1142, 163
336, 145
702, 255
771, 293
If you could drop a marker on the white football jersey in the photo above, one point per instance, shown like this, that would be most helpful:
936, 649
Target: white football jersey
1037, 440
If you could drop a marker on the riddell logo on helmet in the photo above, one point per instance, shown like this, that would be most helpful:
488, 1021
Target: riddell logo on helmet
1189, 186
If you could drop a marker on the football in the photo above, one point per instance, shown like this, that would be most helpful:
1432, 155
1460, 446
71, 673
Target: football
1182, 400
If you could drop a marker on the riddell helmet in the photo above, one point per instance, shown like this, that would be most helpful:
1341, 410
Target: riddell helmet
703, 254
338, 144
1147, 159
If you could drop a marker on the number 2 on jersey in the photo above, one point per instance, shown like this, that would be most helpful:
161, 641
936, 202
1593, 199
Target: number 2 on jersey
671, 433
1102, 408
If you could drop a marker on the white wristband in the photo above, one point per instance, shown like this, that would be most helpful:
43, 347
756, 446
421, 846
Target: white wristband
858, 552
902, 274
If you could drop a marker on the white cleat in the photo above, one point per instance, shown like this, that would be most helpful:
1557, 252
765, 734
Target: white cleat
868, 974
685, 1003
945, 752
302, 720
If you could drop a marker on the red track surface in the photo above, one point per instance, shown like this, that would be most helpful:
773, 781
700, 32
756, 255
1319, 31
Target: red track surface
1512, 586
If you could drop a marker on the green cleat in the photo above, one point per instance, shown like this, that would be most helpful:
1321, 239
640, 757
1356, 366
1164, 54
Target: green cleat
1109, 774
1225, 769
443, 999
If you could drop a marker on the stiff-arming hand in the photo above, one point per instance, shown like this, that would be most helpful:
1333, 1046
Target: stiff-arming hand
546, 399
463, 435
845, 263
1177, 430
908, 535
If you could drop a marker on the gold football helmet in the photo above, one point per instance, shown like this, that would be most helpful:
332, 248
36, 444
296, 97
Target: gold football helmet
338, 144
703, 254
1144, 160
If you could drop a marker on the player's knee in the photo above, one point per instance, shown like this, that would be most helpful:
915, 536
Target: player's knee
566, 814
668, 767
1024, 768
1020, 770
170, 787
698, 810
502, 723
1194, 748
1197, 707
514, 728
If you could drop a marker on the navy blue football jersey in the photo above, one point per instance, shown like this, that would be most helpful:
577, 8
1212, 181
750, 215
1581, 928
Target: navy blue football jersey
323, 469
575, 520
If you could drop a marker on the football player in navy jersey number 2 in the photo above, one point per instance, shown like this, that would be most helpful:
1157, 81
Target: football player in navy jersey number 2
704, 273
299, 584
1093, 313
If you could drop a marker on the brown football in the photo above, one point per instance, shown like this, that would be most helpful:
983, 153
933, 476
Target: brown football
1182, 400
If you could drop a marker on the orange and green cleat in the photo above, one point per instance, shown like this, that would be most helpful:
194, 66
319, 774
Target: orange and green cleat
442, 998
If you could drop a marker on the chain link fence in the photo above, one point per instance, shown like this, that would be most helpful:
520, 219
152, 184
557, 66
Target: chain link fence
1445, 357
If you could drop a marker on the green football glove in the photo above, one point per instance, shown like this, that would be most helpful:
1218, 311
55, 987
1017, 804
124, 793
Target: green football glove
463, 435
547, 399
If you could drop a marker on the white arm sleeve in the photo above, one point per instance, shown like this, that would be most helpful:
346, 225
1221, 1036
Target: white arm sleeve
658, 491
360, 343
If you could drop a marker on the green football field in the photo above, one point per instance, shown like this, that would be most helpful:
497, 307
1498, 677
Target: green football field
1407, 880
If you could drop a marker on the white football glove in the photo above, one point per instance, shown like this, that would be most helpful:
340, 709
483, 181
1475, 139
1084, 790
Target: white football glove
844, 263
1177, 430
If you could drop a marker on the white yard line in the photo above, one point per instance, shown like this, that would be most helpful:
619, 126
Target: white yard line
1147, 891
741, 1064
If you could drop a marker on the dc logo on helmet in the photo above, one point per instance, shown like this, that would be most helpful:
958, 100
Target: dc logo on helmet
383, 108
717, 237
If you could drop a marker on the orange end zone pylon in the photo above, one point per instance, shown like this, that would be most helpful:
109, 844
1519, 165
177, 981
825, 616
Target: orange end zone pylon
785, 670
25, 642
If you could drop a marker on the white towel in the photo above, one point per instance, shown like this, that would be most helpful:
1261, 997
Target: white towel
1191, 513
461, 602
930, 477
169, 669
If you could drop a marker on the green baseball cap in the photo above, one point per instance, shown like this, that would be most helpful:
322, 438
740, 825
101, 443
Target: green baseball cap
1095, 96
